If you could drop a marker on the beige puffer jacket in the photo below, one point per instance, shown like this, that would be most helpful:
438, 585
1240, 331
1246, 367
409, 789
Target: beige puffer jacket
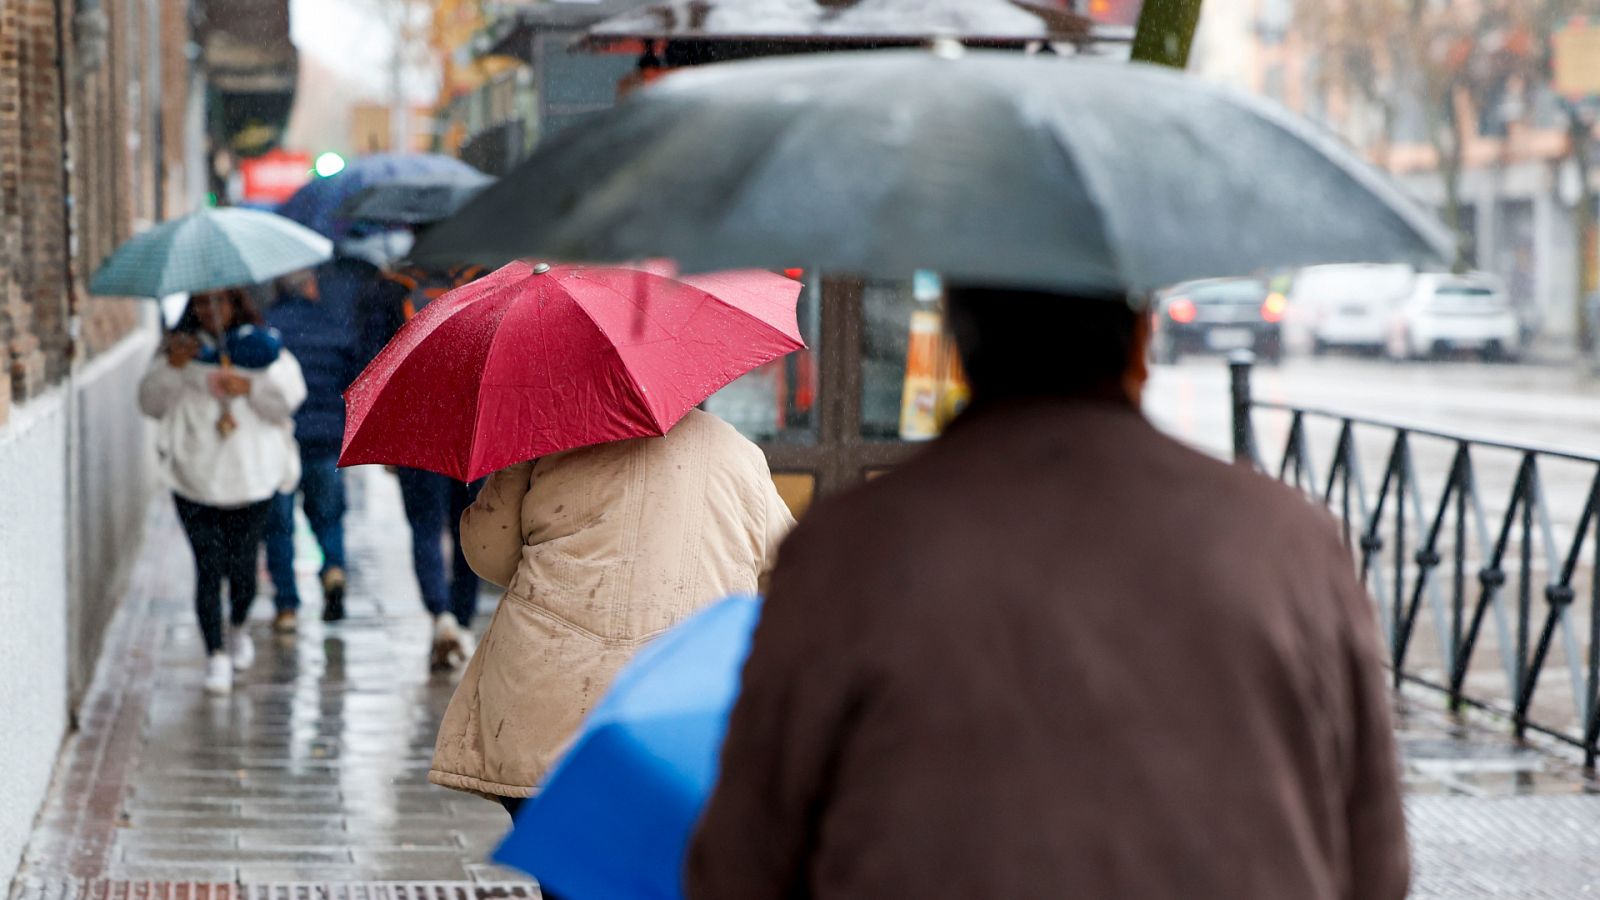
600, 549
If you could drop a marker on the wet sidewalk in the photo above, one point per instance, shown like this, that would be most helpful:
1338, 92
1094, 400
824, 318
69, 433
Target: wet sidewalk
313, 771
309, 782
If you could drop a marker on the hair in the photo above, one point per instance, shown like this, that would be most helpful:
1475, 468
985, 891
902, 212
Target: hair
244, 311
1023, 343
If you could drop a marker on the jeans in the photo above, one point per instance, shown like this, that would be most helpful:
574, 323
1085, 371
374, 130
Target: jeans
322, 484
227, 546
434, 504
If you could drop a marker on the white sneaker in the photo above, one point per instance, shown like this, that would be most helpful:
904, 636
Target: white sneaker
452, 646
241, 648
219, 674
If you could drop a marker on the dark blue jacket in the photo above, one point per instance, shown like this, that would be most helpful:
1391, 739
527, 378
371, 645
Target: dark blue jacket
322, 336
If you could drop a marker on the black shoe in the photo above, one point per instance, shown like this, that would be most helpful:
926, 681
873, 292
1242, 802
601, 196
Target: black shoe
333, 595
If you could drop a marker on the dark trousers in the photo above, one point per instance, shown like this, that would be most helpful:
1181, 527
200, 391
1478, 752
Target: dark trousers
434, 504
227, 545
322, 485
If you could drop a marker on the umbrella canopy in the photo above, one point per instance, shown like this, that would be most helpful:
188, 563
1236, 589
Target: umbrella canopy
533, 360
414, 201
209, 250
1057, 173
615, 816
317, 205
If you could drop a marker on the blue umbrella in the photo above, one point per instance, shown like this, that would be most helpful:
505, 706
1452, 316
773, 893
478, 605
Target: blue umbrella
615, 817
209, 250
317, 205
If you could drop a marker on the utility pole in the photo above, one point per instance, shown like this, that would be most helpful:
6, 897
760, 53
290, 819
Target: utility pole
1586, 228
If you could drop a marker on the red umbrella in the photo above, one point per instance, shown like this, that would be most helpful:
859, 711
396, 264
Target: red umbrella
536, 359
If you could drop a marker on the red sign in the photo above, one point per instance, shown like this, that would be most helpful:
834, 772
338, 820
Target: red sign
275, 176
1113, 12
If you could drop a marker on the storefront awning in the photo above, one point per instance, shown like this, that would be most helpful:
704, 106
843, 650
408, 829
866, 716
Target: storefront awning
879, 22
251, 66
515, 34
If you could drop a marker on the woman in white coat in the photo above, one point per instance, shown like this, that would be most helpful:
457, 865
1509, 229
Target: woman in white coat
223, 392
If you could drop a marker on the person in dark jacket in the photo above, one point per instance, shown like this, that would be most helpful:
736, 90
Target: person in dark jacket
316, 314
434, 503
1059, 654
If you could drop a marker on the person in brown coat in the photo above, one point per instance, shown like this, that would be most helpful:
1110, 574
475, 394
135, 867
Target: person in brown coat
600, 549
1059, 655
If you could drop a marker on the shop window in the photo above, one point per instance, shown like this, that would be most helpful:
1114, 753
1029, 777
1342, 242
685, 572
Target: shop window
911, 380
777, 403
797, 489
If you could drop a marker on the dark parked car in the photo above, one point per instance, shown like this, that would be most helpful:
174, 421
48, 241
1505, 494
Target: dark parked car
1219, 315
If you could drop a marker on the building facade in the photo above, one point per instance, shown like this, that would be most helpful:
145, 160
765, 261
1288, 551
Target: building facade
99, 137
1517, 196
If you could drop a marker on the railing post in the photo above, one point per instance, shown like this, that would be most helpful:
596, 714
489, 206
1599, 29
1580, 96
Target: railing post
1240, 364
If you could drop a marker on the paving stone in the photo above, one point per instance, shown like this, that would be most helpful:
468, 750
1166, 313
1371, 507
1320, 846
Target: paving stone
413, 864
298, 856
199, 805
272, 873
372, 840
171, 872
140, 819
193, 838
489, 873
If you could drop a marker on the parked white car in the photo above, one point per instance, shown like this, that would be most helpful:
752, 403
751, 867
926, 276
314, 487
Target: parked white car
1452, 313
1347, 306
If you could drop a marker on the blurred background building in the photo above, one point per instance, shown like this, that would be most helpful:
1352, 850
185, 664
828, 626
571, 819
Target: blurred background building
1470, 103
114, 115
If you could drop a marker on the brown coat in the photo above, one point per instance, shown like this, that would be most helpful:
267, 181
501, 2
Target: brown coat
599, 549
1060, 655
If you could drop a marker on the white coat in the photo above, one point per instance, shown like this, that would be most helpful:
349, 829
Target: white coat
251, 463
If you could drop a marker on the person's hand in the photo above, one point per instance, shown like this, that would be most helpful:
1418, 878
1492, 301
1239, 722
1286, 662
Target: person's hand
181, 350
233, 384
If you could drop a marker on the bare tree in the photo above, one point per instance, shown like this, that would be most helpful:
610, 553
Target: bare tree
410, 26
1471, 67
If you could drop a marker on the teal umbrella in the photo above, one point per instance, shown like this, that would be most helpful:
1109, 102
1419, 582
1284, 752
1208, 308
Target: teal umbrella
207, 251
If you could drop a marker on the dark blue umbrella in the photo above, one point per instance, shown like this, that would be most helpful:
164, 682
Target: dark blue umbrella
614, 818
317, 205
414, 201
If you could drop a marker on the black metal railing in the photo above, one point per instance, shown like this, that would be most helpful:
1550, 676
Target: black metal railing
1439, 543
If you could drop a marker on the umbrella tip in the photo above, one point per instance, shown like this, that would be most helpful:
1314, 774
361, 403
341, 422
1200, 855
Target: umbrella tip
541, 268
947, 47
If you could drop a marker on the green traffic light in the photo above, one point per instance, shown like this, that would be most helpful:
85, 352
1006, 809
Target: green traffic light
329, 164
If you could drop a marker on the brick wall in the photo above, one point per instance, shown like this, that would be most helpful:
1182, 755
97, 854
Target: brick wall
91, 129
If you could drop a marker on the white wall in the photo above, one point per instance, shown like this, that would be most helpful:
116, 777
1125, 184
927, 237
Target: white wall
51, 622
33, 614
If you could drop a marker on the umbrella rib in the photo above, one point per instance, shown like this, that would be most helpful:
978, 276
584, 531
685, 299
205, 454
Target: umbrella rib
477, 386
239, 256
706, 296
615, 348
1401, 206
1059, 139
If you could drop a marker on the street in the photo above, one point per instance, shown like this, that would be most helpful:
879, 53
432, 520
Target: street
1555, 406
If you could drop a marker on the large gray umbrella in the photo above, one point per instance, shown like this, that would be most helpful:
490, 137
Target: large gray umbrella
209, 250
415, 201
994, 168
